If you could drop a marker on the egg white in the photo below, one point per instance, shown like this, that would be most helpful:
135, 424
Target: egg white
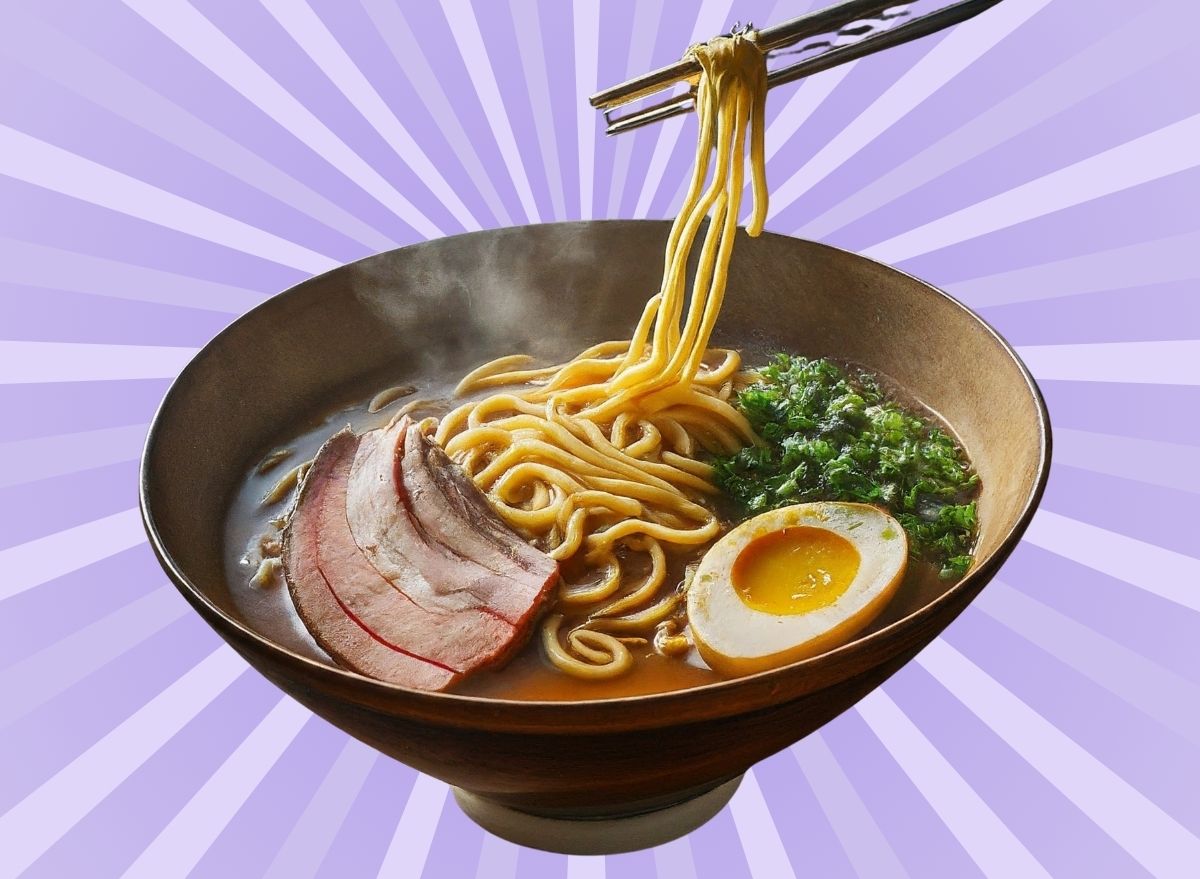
736, 639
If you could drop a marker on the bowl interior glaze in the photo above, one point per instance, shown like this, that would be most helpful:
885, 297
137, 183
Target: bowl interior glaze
432, 311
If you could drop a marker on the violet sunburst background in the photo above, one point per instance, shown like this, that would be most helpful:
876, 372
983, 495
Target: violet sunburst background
164, 166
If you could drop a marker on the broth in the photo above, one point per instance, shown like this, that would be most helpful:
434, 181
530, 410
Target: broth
529, 676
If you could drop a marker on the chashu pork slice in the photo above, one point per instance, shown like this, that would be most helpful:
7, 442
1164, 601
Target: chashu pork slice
368, 621
309, 572
476, 531
423, 544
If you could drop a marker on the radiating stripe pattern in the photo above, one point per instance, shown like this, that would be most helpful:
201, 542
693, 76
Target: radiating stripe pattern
160, 160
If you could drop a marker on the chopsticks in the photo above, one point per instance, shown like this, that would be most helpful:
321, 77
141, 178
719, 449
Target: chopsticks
847, 31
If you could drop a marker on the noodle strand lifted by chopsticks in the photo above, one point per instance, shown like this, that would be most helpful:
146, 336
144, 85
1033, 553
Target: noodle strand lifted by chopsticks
593, 458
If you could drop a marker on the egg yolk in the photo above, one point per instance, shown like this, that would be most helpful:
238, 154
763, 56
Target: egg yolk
795, 570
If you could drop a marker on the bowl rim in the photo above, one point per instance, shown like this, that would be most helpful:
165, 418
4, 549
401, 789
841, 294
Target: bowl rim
974, 580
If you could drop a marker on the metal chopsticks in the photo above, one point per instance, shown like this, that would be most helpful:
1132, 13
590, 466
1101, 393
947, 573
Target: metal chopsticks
835, 35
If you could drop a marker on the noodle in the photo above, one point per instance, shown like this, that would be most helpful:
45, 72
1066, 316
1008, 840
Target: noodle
286, 483
273, 460
386, 397
593, 459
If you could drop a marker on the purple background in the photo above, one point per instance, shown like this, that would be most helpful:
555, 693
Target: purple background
165, 166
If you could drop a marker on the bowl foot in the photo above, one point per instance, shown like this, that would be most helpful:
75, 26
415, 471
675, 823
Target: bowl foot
596, 836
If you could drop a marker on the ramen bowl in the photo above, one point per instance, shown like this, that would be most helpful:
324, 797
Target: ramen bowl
586, 775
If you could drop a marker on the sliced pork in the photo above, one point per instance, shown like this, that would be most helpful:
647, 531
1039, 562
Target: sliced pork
391, 494
382, 593
503, 582
343, 635
476, 531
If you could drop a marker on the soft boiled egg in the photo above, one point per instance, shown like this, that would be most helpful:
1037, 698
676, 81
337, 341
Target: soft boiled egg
792, 583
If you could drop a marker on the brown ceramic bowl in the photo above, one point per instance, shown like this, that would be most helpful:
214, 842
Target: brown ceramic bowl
432, 311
